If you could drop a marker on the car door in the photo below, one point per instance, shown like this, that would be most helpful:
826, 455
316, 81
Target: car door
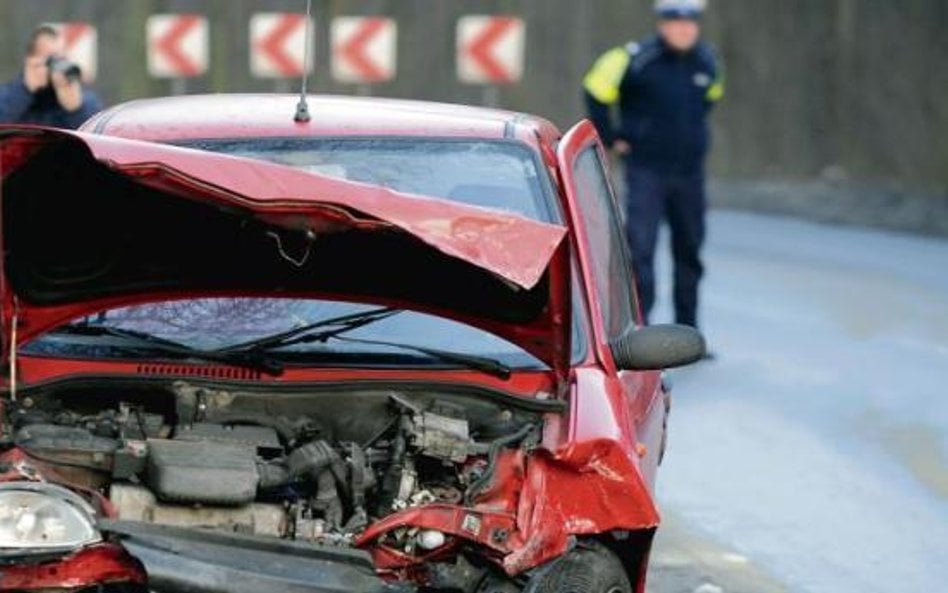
609, 284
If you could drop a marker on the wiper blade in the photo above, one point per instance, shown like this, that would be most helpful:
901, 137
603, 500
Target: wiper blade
250, 360
305, 333
483, 364
91, 329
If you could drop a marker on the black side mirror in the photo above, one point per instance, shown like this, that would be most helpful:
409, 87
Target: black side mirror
658, 347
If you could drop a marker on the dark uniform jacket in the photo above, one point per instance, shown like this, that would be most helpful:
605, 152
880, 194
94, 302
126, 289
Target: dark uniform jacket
663, 100
19, 106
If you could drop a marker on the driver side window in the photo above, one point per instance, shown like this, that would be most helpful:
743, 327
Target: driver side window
610, 263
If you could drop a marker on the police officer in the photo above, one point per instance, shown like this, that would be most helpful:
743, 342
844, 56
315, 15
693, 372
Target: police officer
39, 96
664, 89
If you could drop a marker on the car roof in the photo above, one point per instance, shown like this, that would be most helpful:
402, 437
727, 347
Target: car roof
194, 117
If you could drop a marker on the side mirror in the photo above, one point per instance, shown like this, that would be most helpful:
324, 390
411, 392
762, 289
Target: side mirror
659, 347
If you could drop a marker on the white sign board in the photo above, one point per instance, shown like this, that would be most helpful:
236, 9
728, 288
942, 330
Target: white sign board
491, 49
177, 45
278, 45
364, 49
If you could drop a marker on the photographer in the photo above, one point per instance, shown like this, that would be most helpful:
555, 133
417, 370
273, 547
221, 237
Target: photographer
49, 91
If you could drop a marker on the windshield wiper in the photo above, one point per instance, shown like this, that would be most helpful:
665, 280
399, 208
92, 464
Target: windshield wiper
342, 324
471, 361
245, 359
307, 334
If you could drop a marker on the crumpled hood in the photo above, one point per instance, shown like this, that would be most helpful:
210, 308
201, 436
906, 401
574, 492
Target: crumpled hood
93, 222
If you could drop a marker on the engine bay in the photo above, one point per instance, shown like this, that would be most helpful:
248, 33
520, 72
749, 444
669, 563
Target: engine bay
313, 465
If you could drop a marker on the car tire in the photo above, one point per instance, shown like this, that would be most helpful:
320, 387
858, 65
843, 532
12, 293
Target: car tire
495, 584
590, 568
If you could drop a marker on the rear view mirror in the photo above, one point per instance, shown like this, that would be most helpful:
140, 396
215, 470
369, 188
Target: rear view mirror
658, 347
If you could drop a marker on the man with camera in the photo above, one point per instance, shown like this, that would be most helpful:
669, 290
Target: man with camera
49, 91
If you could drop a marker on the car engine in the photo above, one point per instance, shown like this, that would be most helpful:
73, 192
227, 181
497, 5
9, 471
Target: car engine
310, 466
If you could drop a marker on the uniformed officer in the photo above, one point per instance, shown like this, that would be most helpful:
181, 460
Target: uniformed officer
664, 89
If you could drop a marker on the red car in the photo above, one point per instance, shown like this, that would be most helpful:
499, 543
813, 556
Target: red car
394, 348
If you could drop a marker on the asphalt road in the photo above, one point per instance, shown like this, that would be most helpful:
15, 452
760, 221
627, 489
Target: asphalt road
812, 455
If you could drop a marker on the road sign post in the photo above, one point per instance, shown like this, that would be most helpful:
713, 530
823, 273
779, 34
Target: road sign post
278, 47
491, 52
364, 51
177, 48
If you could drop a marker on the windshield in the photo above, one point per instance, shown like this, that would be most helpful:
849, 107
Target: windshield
503, 175
219, 323
490, 174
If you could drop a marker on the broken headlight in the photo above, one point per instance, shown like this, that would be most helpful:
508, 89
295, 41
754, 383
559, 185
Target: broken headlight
42, 518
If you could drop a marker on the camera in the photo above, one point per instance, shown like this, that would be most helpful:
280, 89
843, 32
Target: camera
70, 70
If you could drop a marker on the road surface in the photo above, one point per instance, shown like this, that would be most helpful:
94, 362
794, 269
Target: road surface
812, 455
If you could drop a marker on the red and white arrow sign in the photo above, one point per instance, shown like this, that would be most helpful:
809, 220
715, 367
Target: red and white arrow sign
177, 45
490, 49
278, 45
81, 45
364, 49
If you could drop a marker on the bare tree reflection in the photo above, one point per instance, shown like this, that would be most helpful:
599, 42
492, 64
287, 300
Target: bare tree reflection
218, 319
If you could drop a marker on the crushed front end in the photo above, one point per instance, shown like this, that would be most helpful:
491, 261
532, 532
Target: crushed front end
352, 488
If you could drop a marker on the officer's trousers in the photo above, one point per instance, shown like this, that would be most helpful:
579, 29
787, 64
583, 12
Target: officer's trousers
652, 198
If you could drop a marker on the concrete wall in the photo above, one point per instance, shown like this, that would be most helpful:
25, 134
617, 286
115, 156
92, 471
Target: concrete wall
843, 90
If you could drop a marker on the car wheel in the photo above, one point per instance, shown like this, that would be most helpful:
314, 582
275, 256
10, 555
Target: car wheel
495, 584
591, 568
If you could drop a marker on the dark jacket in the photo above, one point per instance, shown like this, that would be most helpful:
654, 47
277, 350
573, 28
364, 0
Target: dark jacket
663, 99
19, 106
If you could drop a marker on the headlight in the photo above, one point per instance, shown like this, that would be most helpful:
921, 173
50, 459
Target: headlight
37, 517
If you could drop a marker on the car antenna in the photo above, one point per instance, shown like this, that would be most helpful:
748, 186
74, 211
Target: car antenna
302, 108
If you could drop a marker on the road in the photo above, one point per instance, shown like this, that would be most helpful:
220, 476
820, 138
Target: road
812, 455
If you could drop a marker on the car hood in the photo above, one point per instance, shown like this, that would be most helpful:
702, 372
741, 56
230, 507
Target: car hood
93, 222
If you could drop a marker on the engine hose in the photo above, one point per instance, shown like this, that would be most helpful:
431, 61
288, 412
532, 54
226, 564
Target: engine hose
357, 475
310, 459
496, 446
327, 499
393, 475
272, 475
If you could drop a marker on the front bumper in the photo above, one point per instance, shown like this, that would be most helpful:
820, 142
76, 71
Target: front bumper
103, 566
180, 560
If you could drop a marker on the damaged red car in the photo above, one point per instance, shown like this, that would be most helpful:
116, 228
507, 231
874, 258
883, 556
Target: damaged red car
393, 348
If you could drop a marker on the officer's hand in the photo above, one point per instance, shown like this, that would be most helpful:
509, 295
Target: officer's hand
35, 73
621, 147
68, 92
